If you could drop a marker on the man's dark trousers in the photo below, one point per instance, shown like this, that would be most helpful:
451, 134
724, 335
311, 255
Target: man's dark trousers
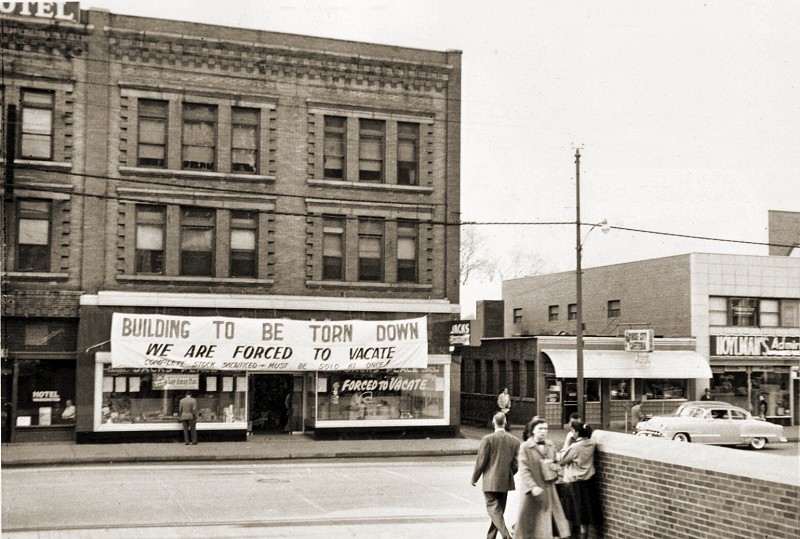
496, 506
189, 425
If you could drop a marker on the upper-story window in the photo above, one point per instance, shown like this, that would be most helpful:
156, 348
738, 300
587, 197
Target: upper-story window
572, 311
614, 308
752, 312
407, 252
244, 140
743, 312
244, 235
552, 313
372, 135
199, 137
335, 147
370, 249
33, 235
197, 242
790, 313
150, 229
333, 249
152, 133
407, 153
37, 125
517, 319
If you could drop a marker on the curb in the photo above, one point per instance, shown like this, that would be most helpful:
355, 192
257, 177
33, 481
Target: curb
304, 455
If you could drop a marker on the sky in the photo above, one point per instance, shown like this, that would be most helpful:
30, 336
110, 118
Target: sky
686, 113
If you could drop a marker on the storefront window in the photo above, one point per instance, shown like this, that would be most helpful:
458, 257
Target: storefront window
620, 389
730, 387
392, 395
774, 387
44, 388
553, 389
147, 396
664, 389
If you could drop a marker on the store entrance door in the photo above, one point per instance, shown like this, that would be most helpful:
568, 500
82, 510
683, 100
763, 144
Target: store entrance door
268, 410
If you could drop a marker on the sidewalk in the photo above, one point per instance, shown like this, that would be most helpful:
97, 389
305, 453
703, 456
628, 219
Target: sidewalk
257, 448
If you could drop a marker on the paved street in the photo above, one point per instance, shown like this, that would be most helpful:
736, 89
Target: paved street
370, 498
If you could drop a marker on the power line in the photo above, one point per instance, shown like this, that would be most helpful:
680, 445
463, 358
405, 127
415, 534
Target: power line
437, 222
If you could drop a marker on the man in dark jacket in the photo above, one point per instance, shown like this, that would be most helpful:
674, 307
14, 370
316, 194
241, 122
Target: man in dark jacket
188, 412
497, 462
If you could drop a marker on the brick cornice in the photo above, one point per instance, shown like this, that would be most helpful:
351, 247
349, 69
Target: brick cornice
44, 37
249, 57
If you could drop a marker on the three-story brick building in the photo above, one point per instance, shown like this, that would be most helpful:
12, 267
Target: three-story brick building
164, 168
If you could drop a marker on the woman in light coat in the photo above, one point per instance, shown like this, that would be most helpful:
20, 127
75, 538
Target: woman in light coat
539, 508
578, 490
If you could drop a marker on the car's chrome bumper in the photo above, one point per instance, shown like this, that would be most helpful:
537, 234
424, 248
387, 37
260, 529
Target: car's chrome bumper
647, 432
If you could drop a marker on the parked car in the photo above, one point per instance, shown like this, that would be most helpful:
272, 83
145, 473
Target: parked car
712, 422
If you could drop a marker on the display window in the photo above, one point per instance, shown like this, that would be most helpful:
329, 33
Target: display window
149, 398
664, 389
46, 393
621, 389
742, 388
361, 398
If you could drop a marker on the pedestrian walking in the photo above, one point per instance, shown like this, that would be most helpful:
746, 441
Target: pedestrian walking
187, 409
636, 414
577, 488
497, 463
540, 511
707, 395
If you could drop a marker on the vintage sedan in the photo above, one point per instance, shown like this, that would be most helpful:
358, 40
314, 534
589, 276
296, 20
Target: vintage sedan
712, 422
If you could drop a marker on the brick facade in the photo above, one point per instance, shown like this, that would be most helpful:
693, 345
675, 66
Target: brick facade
662, 489
102, 178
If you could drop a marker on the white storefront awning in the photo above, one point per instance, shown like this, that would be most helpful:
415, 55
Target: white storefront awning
621, 364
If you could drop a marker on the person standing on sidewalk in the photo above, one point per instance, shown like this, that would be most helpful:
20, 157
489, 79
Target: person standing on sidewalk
504, 401
188, 414
497, 463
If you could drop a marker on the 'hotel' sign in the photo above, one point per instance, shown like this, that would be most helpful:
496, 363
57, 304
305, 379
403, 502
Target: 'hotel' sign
60, 11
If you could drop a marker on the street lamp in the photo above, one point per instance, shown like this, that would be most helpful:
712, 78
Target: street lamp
579, 284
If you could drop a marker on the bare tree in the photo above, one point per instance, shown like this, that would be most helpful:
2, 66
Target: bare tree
521, 262
475, 259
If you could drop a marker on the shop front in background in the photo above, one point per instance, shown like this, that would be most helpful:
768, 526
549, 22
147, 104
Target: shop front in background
147, 400
615, 378
398, 398
265, 375
747, 367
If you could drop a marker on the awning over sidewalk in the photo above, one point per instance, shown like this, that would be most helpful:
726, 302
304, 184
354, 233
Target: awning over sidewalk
621, 364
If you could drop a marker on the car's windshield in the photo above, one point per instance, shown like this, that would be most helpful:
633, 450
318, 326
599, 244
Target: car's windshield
687, 411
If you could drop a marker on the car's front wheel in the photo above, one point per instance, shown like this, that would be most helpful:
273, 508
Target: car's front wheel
758, 443
681, 437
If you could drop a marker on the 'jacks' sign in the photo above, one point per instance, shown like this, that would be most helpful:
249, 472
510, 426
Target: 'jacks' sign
218, 343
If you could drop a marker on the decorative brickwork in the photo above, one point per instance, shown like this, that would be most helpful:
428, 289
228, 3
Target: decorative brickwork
35, 303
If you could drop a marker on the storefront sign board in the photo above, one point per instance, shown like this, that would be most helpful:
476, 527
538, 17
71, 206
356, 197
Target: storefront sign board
755, 345
219, 343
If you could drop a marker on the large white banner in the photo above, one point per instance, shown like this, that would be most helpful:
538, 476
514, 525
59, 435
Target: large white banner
245, 344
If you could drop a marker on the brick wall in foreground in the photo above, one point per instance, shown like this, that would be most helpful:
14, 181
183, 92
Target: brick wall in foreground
662, 489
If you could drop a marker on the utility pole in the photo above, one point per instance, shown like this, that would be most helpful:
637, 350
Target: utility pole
578, 288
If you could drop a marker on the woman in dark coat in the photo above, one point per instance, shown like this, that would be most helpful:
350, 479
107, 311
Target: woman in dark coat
540, 510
